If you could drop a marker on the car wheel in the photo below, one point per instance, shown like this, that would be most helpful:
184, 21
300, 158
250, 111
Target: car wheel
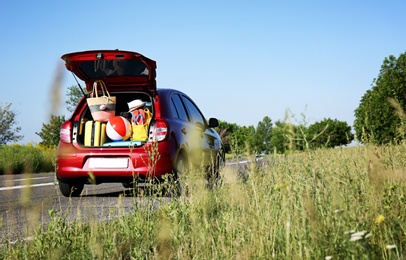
213, 174
213, 177
70, 189
127, 185
174, 186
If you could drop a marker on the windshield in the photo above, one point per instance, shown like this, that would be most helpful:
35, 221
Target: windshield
106, 68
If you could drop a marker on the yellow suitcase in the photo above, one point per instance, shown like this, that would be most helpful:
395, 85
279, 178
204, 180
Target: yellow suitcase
95, 133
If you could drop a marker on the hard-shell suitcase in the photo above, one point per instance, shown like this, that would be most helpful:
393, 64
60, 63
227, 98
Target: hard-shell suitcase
95, 133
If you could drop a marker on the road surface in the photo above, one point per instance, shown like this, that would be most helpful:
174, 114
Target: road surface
27, 200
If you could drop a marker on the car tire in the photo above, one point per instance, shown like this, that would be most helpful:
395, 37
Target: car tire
175, 186
213, 174
70, 189
127, 185
213, 177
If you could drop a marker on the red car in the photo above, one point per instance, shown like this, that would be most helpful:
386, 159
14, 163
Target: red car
178, 137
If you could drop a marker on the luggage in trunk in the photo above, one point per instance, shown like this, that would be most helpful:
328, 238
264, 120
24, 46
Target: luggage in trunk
95, 133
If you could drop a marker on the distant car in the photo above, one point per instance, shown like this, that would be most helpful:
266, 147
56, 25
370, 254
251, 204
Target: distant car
178, 135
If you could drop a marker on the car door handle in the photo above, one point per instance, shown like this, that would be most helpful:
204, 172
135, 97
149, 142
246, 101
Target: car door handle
184, 131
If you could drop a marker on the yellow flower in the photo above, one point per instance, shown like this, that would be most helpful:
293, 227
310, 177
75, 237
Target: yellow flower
379, 219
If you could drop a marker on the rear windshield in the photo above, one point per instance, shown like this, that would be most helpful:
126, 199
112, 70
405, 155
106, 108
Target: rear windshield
105, 68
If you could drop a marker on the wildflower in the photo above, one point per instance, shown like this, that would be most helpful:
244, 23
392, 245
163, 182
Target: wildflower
389, 247
355, 238
328, 257
359, 234
379, 219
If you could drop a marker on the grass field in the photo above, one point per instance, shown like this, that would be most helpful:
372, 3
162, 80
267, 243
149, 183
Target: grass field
345, 203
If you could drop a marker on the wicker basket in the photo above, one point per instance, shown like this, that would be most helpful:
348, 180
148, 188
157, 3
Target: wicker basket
104, 107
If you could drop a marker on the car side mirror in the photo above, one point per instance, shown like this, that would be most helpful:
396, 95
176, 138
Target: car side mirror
213, 122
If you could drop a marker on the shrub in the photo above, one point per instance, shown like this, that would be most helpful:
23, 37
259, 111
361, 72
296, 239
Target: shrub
17, 159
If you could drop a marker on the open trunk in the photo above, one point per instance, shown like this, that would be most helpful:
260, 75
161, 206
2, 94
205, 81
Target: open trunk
90, 133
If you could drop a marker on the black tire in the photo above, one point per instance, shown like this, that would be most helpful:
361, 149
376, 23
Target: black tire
213, 177
181, 166
213, 174
127, 185
174, 187
70, 189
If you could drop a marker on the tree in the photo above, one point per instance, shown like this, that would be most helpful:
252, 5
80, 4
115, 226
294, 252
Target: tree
226, 131
329, 133
239, 139
261, 139
281, 137
74, 94
8, 129
50, 132
236, 139
376, 118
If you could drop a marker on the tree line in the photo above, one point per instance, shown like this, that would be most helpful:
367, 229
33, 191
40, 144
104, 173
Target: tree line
379, 119
282, 137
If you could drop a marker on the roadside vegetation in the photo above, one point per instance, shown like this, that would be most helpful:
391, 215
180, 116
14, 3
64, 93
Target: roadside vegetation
17, 159
344, 203
314, 199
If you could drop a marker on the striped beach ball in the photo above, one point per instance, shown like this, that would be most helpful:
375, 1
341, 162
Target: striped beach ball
118, 128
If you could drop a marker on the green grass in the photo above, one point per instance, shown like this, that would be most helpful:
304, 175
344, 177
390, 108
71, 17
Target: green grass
342, 203
17, 159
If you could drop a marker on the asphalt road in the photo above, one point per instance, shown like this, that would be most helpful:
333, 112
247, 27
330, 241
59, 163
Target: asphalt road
28, 199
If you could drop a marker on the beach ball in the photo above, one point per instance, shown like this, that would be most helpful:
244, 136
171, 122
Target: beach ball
118, 128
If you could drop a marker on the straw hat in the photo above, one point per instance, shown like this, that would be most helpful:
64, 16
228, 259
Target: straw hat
135, 104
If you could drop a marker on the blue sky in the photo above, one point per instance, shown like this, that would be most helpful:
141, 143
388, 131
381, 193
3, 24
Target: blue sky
238, 60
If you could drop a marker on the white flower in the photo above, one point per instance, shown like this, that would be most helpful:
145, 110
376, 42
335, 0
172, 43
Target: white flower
355, 238
359, 234
328, 257
389, 247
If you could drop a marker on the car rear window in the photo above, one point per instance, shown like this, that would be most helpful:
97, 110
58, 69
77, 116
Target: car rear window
106, 68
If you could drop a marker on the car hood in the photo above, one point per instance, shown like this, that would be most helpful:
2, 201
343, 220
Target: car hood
118, 69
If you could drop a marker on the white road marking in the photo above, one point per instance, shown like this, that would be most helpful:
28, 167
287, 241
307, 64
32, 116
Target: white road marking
37, 178
26, 186
239, 162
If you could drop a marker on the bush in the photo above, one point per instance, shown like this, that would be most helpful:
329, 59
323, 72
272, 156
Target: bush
17, 159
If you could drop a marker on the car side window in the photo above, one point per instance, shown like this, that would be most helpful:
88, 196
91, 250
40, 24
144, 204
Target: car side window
196, 116
177, 107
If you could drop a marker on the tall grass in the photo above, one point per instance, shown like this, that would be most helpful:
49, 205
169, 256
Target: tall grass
16, 159
344, 203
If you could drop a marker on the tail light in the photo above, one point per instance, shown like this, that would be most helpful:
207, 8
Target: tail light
66, 132
160, 131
